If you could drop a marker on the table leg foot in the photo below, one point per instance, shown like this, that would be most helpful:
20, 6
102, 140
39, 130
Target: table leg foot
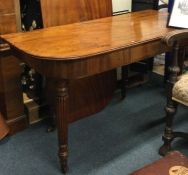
165, 149
64, 167
63, 155
51, 125
50, 129
167, 139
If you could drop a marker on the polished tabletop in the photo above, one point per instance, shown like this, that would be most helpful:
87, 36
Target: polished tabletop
86, 39
79, 50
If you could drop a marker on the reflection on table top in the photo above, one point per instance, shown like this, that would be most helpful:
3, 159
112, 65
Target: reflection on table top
85, 39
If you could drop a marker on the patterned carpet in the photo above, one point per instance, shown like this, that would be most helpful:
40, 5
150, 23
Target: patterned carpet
121, 138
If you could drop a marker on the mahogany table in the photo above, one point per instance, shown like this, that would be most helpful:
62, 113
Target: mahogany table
83, 49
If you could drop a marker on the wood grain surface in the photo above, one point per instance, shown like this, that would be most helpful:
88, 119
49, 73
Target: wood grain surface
88, 95
11, 100
71, 11
84, 49
78, 98
86, 39
4, 129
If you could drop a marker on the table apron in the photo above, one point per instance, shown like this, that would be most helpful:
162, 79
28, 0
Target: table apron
84, 67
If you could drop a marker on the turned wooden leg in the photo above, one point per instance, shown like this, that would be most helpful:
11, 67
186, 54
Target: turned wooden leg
124, 81
168, 132
171, 105
62, 98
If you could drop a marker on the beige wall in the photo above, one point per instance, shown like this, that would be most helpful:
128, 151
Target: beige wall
121, 5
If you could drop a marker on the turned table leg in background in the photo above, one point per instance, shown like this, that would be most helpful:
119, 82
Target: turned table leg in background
62, 97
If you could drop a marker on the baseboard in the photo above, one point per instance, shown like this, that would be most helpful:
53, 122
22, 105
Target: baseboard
18, 124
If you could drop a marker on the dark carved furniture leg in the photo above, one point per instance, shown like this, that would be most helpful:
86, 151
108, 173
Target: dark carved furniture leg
171, 105
62, 107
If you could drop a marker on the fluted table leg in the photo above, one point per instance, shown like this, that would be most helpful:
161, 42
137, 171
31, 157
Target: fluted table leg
62, 97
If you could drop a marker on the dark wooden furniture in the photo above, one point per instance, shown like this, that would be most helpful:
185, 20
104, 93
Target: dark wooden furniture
91, 94
174, 163
146, 4
175, 40
142, 67
73, 11
4, 129
88, 48
11, 100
